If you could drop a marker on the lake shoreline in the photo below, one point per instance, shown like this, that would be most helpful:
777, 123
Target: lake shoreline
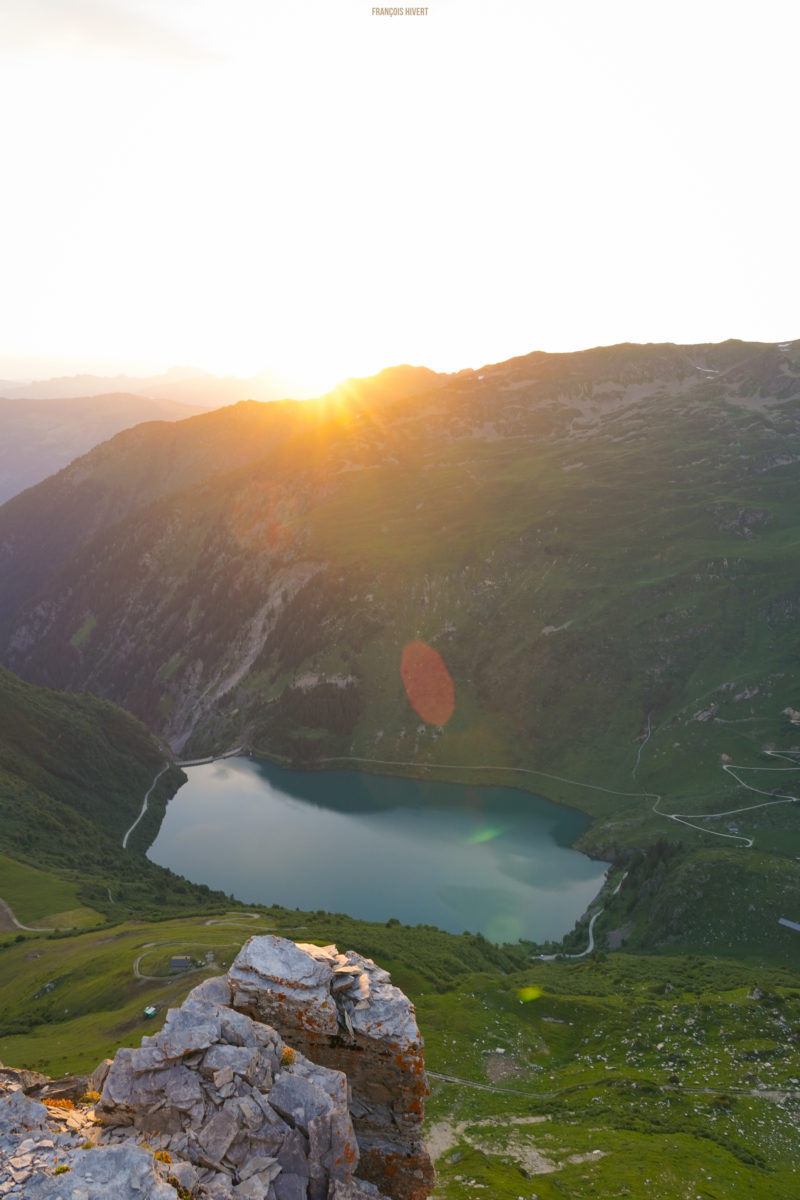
386, 840
459, 774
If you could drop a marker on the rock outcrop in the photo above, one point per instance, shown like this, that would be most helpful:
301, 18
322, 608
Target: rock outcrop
342, 1011
219, 1105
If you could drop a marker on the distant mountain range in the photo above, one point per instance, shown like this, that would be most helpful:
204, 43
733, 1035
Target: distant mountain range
46, 425
185, 385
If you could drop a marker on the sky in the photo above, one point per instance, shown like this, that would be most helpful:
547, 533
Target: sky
319, 188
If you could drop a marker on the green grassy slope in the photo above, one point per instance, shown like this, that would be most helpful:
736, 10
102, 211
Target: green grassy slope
612, 1076
47, 900
88, 754
74, 771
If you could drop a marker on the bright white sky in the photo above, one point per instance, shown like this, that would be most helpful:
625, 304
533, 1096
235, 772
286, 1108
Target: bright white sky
302, 185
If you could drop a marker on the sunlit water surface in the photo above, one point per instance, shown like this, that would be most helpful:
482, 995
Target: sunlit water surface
485, 859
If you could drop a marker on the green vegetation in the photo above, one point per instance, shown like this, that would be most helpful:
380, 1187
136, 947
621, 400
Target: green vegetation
549, 1078
74, 771
713, 901
602, 547
42, 898
86, 755
627, 1075
80, 635
103, 979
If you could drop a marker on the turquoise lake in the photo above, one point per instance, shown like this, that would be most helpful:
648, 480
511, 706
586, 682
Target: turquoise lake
484, 859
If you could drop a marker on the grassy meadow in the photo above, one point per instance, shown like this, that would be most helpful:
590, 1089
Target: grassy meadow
612, 1075
44, 899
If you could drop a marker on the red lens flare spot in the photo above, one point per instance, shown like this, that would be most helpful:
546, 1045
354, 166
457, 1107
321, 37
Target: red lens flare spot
427, 682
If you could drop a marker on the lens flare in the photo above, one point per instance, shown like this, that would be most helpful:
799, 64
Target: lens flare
487, 834
427, 682
529, 993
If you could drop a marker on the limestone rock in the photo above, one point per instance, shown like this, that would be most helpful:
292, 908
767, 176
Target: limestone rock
213, 1084
98, 1076
18, 1113
13, 1078
36, 1140
271, 973
232, 1111
125, 1172
343, 1012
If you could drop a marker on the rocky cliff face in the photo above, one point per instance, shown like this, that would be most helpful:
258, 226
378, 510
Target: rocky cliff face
218, 1105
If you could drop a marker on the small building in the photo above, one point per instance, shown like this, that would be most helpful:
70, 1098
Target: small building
180, 962
149, 1012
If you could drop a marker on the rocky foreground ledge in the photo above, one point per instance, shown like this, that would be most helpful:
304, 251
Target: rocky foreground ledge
298, 1076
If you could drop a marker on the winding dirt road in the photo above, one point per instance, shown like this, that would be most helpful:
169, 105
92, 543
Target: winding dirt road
144, 804
8, 921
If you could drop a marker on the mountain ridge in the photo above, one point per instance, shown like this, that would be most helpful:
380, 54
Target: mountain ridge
39, 437
186, 385
311, 466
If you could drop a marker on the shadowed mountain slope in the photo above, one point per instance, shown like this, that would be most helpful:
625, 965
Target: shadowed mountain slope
74, 772
39, 437
47, 525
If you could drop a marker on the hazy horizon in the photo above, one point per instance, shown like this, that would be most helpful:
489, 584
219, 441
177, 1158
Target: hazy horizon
319, 191
49, 369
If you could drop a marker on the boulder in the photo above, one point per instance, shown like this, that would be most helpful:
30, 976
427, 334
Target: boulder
19, 1114
271, 974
